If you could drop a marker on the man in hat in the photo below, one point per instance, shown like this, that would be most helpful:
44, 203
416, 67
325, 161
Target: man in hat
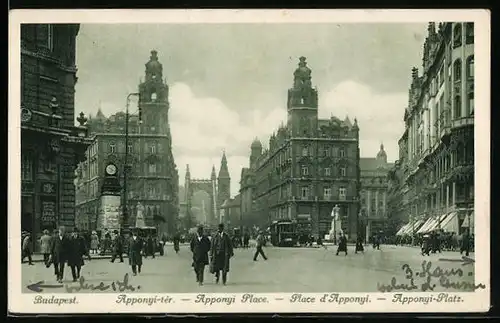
27, 248
59, 253
200, 246
117, 246
135, 253
45, 242
77, 248
221, 252
260, 243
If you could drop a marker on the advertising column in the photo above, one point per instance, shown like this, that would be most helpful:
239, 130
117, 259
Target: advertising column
110, 207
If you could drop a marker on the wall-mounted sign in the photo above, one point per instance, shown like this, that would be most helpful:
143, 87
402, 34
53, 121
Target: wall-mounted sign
48, 216
48, 188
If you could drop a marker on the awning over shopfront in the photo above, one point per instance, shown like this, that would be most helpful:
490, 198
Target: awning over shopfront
437, 224
427, 224
469, 221
450, 223
410, 227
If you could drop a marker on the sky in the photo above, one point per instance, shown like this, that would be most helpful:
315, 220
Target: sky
228, 82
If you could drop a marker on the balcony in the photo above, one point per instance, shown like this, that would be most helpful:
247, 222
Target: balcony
462, 122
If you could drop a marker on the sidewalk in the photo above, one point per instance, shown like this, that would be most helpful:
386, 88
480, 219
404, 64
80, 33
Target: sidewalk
39, 257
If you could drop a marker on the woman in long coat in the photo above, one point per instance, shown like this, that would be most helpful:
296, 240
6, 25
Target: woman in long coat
135, 251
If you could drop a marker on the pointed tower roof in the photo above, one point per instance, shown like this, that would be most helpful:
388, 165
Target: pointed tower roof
347, 121
213, 175
381, 152
99, 114
223, 172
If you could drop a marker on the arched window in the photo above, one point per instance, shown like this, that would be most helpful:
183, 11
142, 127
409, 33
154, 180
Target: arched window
457, 35
153, 96
469, 33
457, 70
470, 66
458, 107
470, 103
305, 151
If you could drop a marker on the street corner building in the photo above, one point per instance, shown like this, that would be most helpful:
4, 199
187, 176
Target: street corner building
51, 144
432, 183
374, 194
310, 166
144, 139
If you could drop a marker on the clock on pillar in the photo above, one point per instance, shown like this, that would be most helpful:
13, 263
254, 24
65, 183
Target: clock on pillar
110, 213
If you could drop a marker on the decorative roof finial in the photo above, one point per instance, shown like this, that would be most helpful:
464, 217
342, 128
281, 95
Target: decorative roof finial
82, 119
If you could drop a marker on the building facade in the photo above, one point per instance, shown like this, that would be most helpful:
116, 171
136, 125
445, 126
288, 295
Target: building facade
152, 178
218, 189
438, 168
374, 193
51, 145
310, 166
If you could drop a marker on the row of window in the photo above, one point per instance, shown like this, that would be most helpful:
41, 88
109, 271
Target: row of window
45, 165
305, 193
457, 34
326, 151
327, 171
151, 148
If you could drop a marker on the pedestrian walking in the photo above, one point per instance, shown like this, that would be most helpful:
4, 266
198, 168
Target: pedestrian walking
77, 248
59, 253
117, 247
45, 242
94, 242
465, 247
221, 252
342, 246
246, 240
27, 248
359, 245
149, 247
135, 251
177, 240
260, 243
200, 246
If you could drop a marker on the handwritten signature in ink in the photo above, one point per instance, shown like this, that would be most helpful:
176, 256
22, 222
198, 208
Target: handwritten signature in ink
431, 277
121, 286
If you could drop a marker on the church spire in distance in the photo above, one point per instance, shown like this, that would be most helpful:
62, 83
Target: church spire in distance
223, 172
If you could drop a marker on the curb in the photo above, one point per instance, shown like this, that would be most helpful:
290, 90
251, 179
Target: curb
92, 258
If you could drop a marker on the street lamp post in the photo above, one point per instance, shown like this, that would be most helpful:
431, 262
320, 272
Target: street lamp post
125, 167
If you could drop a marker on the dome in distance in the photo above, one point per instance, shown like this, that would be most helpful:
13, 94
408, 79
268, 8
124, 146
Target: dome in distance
256, 144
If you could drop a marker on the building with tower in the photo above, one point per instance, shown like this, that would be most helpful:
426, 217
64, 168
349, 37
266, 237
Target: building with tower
310, 165
51, 144
374, 193
218, 189
435, 172
152, 177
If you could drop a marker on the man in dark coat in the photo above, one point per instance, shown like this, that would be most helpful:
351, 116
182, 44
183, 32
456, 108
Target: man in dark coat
246, 239
135, 253
342, 247
117, 247
359, 245
221, 252
76, 250
177, 240
59, 253
200, 246
465, 247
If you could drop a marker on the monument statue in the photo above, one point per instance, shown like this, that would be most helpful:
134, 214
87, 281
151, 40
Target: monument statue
139, 219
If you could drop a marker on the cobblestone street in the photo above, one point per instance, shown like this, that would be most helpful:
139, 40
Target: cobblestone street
287, 270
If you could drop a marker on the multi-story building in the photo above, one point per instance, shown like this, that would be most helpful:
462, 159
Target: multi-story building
152, 178
374, 187
51, 145
311, 165
439, 121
